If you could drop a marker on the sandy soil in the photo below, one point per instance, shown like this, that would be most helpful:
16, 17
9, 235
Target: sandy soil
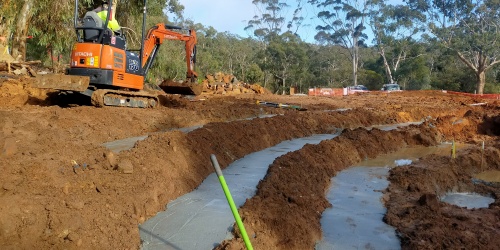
61, 189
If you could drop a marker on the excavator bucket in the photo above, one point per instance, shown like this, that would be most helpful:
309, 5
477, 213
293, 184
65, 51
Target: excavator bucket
61, 82
185, 88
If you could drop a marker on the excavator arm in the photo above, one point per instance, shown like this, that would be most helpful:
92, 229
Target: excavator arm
155, 37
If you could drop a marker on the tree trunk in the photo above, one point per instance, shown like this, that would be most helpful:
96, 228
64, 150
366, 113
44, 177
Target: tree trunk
481, 81
19, 41
284, 84
4, 32
355, 65
386, 66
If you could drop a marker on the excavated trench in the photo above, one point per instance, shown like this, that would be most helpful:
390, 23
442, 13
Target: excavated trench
201, 219
293, 190
286, 215
61, 189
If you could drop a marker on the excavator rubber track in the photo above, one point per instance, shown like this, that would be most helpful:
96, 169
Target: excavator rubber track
139, 99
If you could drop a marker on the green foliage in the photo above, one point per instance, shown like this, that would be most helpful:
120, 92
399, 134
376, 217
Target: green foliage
450, 74
371, 79
414, 74
287, 58
254, 74
468, 28
328, 67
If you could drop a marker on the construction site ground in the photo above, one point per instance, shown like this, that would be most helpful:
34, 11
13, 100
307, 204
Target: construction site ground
60, 188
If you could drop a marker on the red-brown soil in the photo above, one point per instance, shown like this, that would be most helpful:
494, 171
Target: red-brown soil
424, 222
61, 189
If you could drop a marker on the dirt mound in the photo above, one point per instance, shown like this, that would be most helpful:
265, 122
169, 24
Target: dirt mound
16, 92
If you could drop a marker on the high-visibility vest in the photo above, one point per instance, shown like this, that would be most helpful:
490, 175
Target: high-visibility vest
112, 24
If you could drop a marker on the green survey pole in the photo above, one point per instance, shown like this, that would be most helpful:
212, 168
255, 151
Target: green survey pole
229, 198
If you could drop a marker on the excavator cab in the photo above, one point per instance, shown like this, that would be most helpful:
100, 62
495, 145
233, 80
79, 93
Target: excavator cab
92, 27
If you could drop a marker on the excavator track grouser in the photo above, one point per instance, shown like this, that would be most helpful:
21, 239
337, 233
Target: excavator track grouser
140, 99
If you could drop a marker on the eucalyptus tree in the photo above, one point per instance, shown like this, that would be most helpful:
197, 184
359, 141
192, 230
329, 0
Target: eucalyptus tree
273, 18
344, 24
289, 57
244, 56
9, 10
329, 67
468, 28
20, 33
394, 28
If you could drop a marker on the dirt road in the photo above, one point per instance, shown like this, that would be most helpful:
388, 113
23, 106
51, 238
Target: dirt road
61, 189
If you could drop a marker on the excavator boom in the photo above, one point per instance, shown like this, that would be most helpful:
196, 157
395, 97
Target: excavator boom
156, 36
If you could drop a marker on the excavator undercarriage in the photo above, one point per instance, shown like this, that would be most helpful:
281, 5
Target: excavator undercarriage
139, 99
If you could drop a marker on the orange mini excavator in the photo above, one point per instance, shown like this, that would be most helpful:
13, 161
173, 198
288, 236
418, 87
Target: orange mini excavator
113, 75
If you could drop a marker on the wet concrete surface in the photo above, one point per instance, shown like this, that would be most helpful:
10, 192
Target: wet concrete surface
395, 126
355, 220
202, 219
128, 143
467, 200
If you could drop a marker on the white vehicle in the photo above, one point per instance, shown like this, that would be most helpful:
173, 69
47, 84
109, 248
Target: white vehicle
357, 88
391, 87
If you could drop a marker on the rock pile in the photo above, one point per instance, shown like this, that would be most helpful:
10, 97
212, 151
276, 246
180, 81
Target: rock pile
227, 84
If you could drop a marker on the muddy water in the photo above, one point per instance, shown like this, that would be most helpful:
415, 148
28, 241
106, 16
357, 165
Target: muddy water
202, 218
355, 219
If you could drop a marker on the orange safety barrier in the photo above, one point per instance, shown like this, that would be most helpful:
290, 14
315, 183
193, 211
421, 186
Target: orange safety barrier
326, 92
485, 96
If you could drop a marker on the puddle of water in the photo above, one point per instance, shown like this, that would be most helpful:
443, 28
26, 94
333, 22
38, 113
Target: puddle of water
467, 200
489, 176
394, 126
405, 156
202, 219
402, 162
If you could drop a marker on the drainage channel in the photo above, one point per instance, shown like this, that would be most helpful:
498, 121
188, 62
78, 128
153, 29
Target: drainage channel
355, 219
202, 219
